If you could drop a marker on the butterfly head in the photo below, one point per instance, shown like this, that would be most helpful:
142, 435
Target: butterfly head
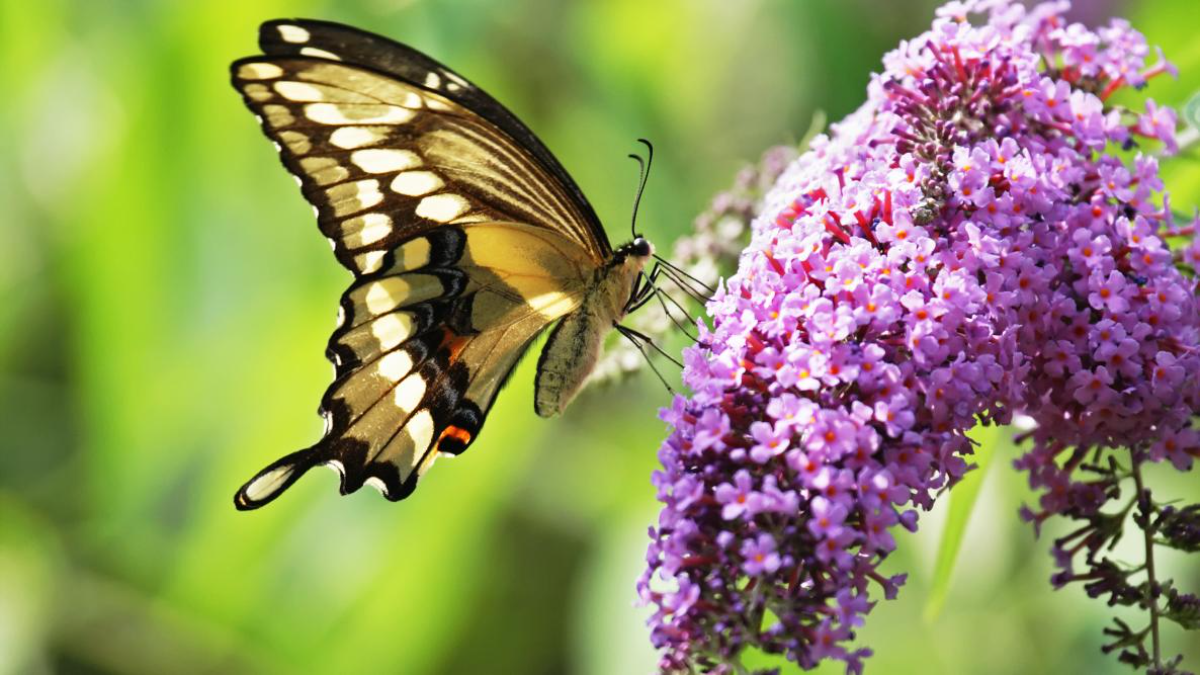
637, 252
621, 281
641, 248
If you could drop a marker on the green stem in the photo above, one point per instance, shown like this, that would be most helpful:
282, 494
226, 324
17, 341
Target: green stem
1151, 583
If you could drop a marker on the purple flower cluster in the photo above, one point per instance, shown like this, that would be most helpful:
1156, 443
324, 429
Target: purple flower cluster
965, 246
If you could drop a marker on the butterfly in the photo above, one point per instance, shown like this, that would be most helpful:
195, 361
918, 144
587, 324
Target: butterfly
466, 239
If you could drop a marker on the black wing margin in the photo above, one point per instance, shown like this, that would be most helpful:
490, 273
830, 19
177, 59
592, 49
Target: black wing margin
335, 41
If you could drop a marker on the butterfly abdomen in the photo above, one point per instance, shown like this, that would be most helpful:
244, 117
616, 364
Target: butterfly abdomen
570, 353
574, 346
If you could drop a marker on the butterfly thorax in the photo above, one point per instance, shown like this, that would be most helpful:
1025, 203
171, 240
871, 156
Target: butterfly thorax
574, 345
615, 281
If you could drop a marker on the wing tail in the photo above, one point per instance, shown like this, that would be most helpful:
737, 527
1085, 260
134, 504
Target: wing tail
277, 477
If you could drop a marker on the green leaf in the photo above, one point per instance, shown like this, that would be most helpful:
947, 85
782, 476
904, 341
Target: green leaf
962, 503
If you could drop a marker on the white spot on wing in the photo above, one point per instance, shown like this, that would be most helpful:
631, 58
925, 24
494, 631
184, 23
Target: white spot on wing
377, 484
386, 294
369, 262
409, 393
412, 100
350, 113
442, 207
258, 92
319, 53
259, 71
350, 198
278, 116
293, 34
392, 329
395, 365
420, 428
432, 80
416, 183
366, 229
324, 170
355, 137
295, 141
299, 91
337, 466
269, 483
384, 160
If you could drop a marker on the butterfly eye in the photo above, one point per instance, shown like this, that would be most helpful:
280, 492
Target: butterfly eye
640, 248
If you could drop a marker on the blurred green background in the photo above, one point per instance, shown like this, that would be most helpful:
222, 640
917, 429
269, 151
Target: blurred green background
167, 298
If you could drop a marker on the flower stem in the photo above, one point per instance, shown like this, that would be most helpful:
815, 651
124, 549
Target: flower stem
1151, 583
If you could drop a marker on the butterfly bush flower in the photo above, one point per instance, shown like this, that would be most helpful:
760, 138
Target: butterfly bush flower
968, 245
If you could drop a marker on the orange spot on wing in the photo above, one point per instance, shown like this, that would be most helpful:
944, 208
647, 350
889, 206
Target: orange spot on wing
457, 433
453, 343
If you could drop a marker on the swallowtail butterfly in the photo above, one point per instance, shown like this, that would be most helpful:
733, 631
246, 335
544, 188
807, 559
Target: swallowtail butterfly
466, 239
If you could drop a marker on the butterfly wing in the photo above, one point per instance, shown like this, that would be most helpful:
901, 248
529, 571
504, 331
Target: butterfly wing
307, 37
465, 242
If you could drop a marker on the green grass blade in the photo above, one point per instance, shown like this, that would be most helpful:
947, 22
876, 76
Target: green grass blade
962, 503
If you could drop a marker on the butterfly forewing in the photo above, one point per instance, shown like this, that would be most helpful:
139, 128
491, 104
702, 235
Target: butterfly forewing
305, 37
382, 160
465, 243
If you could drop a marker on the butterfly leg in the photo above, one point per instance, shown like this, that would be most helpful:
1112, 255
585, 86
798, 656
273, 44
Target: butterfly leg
644, 289
639, 341
660, 294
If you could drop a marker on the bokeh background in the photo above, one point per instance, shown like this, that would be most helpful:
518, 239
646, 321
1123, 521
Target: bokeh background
166, 299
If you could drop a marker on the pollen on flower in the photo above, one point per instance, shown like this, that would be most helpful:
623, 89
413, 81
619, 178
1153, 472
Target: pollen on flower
966, 246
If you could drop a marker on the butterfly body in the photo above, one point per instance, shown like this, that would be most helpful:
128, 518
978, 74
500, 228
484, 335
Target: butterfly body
574, 345
466, 239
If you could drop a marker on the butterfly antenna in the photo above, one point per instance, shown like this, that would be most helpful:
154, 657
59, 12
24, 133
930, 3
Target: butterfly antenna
680, 271
643, 176
686, 286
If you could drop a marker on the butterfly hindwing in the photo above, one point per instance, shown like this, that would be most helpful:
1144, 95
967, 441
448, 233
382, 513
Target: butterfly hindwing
423, 347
